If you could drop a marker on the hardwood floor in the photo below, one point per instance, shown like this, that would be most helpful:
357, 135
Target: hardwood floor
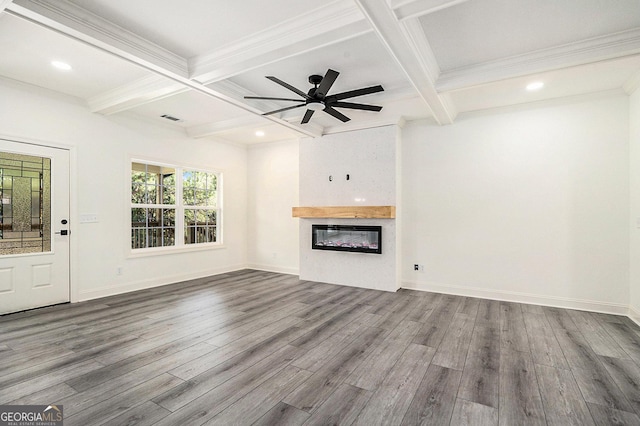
253, 347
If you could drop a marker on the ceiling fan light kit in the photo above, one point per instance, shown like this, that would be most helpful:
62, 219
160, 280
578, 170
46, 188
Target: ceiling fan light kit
317, 97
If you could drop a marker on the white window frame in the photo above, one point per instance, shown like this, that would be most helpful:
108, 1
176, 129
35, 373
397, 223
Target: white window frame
179, 207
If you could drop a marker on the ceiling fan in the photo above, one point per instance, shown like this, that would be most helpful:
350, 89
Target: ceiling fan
318, 99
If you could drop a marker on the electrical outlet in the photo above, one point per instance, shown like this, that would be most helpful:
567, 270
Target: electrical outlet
416, 267
119, 270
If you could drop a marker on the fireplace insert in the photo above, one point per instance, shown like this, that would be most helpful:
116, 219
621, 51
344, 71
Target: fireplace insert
361, 239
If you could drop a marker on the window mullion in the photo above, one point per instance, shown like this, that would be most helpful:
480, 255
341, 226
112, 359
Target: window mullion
179, 209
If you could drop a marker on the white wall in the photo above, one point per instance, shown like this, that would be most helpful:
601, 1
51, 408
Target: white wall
529, 205
273, 190
369, 158
103, 146
634, 226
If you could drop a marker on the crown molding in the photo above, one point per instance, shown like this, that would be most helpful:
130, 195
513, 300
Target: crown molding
215, 127
332, 23
74, 21
402, 42
544, 103
596, 49
139, 92
417, 8
232, 89
363, 125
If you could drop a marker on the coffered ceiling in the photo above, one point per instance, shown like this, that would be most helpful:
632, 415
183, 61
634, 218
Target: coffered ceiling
195, 60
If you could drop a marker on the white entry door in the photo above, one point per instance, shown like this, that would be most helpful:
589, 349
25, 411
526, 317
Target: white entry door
34, 226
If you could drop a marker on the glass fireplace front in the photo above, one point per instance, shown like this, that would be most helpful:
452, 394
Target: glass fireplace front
362, 239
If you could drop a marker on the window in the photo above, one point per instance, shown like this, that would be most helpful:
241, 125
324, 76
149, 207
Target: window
173, 206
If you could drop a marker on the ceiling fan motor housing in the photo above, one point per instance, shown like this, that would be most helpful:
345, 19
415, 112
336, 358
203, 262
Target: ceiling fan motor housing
315, 79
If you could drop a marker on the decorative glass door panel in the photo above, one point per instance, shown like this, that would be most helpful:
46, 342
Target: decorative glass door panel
25, 210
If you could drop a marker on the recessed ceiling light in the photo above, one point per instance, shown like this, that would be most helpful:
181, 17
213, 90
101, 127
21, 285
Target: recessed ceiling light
259, 133
62, 66
536, 85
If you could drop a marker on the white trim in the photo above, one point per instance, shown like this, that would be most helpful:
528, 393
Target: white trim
168, 250
140, 92
417, 8
4, 4
333, 22
406, 46
544, 103
634, 315
153, 282
179, 208
519, 297
272, 268
602, 48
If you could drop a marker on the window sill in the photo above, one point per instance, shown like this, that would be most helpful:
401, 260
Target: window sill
161, 251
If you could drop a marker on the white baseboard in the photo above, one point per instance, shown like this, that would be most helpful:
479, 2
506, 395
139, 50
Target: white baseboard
507, 296
634, 315
272, 268
513, 296
153, 282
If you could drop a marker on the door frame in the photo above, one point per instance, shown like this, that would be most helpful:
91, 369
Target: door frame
74, 291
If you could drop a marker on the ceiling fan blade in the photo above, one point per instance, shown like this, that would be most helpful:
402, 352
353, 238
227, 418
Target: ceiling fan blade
351, 105
326, 83
340, 116
288, 86
274, 99
307, 116
357, 92
283, 109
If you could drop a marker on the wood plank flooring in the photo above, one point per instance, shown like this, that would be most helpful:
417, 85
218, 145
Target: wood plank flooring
260, 348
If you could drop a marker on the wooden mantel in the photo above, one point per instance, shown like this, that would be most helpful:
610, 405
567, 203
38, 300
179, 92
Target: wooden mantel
346, 212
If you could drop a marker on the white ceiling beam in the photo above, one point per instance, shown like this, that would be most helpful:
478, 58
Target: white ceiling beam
328, 25
597, 49
75, 22
216, 127
408, 51
139, 92
4, 4
340, 21
417, 8
218, 66
332, 23
207, 70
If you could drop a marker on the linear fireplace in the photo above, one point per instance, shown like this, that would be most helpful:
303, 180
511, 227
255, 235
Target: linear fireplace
361, 239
